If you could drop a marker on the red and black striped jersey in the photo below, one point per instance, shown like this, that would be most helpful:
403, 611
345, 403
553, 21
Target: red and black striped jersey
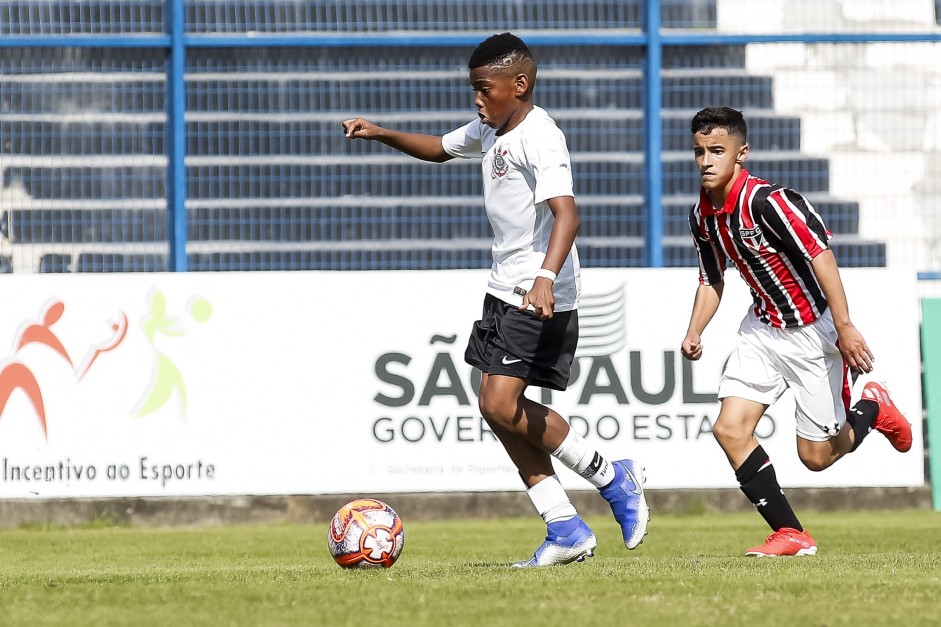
771, 234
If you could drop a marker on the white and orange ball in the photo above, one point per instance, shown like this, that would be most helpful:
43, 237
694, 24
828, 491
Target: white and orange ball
366, 533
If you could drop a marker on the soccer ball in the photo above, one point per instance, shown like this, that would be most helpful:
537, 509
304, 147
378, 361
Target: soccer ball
366, 533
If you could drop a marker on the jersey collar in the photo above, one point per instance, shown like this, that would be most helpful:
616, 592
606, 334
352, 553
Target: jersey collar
730, 201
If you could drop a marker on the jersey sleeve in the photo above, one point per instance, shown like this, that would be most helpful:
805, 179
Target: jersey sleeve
712, 262
463, 142
549, 161
795, 222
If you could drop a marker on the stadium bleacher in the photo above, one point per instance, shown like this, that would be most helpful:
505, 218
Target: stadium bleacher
272, 184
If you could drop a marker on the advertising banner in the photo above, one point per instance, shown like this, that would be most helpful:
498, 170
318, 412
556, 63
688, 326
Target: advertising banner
354, 382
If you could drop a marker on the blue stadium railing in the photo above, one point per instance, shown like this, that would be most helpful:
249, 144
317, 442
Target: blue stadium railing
629, 199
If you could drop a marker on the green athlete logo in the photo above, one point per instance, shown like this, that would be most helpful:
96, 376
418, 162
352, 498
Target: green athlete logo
166, 376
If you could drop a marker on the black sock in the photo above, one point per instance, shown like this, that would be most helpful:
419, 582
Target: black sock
861, 417
760, 484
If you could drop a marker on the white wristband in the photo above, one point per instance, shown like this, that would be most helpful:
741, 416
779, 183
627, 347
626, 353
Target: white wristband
547, 274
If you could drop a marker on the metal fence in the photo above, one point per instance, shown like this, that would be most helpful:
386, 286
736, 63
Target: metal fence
205, 135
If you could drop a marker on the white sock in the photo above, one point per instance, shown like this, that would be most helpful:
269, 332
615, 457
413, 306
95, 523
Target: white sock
575, 454
551, 501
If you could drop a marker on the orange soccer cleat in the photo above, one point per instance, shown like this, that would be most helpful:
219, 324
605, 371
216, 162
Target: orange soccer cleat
890, 422
783, 542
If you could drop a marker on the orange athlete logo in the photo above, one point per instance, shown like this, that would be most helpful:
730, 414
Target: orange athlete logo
15, 375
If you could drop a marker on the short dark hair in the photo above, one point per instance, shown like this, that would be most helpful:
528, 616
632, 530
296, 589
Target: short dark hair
497, 47
728, 118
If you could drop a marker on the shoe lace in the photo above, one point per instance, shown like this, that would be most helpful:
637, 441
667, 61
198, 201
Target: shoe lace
890, 426
876, 392
777, 535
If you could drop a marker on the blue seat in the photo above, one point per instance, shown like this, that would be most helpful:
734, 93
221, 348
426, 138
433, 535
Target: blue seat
340, 224
424, 58
143, 96
98, 17
90, 183
626, 256
330, 15
343, 259
55, 262
21, 60
48, 138
78, 226
101, 262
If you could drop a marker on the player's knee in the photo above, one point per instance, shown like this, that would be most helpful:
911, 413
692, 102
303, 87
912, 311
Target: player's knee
729, 434
815, 463
494, 410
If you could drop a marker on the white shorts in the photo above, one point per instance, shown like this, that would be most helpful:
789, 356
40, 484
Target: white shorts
768, 360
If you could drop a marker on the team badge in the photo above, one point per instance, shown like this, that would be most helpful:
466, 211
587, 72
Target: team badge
500, 166
751, 237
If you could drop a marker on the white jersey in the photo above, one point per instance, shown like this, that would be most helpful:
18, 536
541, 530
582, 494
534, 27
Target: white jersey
522, 170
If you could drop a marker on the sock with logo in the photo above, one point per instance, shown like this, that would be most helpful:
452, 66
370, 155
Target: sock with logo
760, 484
861, 417
577, 455
552, 503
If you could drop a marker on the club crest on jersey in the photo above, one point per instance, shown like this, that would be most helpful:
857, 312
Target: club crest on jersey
500, 166
751, 236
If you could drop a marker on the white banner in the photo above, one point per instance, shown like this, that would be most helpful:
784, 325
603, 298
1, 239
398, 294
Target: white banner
348, 382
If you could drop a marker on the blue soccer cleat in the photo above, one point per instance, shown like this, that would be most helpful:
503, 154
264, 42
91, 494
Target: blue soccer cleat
626, 497
574, 547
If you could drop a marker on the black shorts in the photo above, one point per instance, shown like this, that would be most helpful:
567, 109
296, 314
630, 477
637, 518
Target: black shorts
507, 341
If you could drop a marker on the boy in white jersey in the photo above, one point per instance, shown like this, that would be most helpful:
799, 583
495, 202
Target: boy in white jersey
528, 331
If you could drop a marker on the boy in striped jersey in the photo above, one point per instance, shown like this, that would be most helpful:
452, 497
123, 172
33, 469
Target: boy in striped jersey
798, 334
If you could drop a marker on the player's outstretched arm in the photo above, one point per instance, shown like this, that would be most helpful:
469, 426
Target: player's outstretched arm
855, 351
424, 147
705, 306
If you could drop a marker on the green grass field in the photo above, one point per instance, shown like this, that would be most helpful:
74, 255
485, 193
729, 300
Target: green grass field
874, 568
